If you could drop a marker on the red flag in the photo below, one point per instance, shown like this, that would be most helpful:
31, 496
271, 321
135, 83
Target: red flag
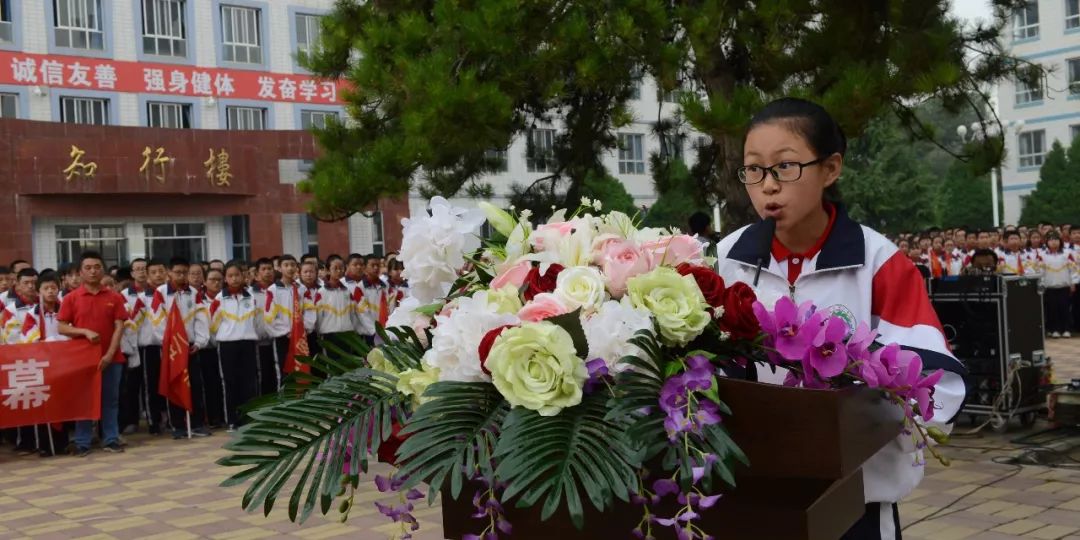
175, 383
384, 309
298, 345
42, 383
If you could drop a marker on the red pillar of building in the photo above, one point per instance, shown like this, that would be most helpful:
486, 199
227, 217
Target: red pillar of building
333, 238
265, 233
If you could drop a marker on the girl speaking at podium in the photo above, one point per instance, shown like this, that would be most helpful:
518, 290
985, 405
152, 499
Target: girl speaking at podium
808, 248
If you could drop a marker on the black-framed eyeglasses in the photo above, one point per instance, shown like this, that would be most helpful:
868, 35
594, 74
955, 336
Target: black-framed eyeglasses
785, 171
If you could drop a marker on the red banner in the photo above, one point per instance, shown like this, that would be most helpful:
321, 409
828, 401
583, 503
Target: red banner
49, 382
169, 79
175, 381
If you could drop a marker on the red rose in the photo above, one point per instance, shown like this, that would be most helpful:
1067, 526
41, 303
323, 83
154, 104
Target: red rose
739, 318
710, 283
388, 448
485, 345
536, 283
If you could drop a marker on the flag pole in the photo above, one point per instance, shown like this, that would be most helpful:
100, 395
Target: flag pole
187, 420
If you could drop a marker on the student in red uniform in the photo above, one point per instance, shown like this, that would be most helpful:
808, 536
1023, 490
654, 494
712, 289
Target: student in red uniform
97, 314
793, 154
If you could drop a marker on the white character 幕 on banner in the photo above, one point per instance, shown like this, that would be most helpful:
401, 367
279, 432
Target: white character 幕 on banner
26, 388
24, 71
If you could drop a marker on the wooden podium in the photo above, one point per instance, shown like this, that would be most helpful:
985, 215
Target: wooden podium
805, 448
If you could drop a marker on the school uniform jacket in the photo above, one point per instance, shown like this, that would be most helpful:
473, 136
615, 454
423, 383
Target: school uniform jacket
153, 320
1059, 270
196, 319
860, 272
34, 324
1016, 263
366, 298
17, 321
236, 317
278, 310
334, 309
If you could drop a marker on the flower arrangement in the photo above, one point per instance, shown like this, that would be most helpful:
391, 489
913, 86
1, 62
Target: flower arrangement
570, 363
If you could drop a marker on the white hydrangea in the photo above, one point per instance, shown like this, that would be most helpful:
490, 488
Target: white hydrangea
433, 247
609, 332
456, 338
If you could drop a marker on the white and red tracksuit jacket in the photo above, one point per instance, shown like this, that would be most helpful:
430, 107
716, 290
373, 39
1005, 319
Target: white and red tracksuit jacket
859, 269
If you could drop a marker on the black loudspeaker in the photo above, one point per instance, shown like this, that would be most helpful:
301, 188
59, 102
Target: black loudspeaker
994, 325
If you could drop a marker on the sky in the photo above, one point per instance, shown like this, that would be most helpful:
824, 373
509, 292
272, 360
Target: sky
972, 9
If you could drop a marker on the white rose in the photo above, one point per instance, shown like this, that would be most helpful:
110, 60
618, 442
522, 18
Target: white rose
581, 287
609, 332
433, 247
456, 338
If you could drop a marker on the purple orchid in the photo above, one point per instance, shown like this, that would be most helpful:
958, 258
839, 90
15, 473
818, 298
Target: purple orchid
793, 328
598, 371
893, 361
828, 353
912, 385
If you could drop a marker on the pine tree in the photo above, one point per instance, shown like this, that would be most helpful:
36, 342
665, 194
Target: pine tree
435, 85
1055, 197
965, 198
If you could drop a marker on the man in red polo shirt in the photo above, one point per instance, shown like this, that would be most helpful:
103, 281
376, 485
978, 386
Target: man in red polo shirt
97, 313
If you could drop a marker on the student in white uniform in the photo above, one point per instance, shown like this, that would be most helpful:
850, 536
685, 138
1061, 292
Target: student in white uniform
237, 324
793, 153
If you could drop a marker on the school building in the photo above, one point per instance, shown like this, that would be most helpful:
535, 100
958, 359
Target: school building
166, 127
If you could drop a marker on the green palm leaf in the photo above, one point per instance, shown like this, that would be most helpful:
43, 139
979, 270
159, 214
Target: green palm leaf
451, 436
312, 432
551, 457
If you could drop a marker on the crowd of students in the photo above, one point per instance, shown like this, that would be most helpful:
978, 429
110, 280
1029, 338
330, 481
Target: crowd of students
1047, 251
241, 321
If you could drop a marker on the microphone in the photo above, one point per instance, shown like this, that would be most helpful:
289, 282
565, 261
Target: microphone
765, 247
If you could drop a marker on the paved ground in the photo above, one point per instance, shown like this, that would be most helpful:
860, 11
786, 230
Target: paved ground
167, 489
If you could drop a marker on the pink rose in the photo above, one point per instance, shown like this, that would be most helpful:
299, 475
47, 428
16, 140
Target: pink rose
548, 234
600, 244
675, 250
543, 306
623, 260
515, 275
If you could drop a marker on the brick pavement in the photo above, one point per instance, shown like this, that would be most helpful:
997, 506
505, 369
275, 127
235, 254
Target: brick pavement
166, 489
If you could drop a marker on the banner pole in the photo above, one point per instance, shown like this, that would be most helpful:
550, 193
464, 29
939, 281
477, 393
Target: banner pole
187, 420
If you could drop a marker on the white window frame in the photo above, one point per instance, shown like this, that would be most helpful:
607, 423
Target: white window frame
241, 237
631, 153
7, 25
1023, 26
84, 110
1027, 94
164, 28
1031, 148
1072, 14
310, 236
170, 115
1072, 75
72, 18
65, 252
312, 26
241, 40
500, 155
378, 241
9, 100
203, 238
540, 151
242, 118
316, 119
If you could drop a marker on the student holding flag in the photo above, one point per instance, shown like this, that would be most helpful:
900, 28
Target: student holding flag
289, 318
185, 332
97, 314
237, 324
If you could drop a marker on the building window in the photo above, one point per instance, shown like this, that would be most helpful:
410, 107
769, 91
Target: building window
77, 24
668, 97
540, 150
9, 105
1032, 148
1027, 93
167, 240
671, 146
168, 115
245, 118
308, 32
1026, 21
311, 235
498, 160
1074, 132
164, 31
378, 247
631, 153
1024, 202
241, 238
93, 111
109, 240
7, 27
1072, 14
240, 37
1073, 67
316, 119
